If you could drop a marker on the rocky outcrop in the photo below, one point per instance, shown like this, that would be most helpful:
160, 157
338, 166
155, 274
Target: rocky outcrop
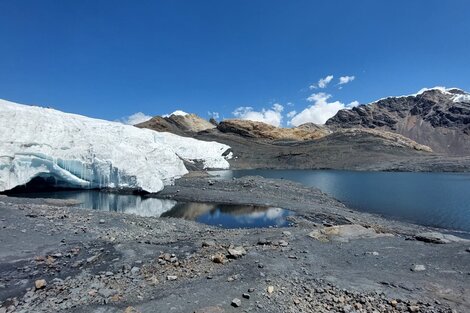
388, 138
438, 118
180, 124
252, 129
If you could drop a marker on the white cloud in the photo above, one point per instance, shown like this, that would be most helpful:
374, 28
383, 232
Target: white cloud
322, 83
215, 115
346, 79
135, 118
355, 103
271, 116
320, 111
291, 114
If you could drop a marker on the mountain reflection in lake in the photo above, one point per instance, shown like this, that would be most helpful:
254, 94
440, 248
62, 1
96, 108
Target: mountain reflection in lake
227, 216
231, 216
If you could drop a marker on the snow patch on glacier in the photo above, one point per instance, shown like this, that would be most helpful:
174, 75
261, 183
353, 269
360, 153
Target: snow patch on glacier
91, 153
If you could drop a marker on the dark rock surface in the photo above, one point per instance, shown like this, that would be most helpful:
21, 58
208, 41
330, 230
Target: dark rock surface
436, 118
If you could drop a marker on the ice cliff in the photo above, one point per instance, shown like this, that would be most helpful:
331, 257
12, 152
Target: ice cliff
89, 153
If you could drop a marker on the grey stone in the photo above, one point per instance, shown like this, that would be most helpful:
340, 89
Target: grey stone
236, 302
418, 268
106, 292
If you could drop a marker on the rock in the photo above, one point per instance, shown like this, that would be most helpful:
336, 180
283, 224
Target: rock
270, 289
208, 243
413, 308
210, 309
345, 233
135, 270
438, 238
93, 258
237, 252
102, 221
40, 283
236, 302
418, 268
251, 289
218, 258
254, 129
246, 295
263, 241
107, 292
171, 277
286, 233
283, 243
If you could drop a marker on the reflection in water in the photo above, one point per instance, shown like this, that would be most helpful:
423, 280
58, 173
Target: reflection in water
105, 201
231, 216
227, 216
431, 199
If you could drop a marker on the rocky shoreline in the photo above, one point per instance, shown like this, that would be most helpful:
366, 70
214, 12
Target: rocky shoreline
55, 257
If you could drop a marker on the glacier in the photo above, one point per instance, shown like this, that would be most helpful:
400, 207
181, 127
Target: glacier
83, 152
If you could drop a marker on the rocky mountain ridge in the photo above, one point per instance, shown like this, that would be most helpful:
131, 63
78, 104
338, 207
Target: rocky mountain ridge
437, 117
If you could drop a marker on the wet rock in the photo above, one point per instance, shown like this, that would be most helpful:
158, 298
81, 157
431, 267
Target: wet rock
40, 283
236, 302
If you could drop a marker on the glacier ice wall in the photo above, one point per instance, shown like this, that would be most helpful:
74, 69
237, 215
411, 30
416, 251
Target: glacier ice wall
91, 153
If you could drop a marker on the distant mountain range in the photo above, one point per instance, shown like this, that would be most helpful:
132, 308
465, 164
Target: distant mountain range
416, 132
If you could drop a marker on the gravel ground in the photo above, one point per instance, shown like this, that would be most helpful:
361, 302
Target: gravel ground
57, 258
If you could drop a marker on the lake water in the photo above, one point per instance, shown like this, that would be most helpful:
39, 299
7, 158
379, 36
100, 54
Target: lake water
222, 215
431, 199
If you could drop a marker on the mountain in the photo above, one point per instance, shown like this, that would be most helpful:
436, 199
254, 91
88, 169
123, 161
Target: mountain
437, 117
178, 122
260, 145
357, 149
80, 152
262, 130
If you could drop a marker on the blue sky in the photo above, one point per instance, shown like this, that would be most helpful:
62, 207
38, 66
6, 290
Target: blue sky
110, 59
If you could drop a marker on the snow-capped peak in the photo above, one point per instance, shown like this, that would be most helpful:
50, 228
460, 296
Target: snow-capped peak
457, 94
177, 113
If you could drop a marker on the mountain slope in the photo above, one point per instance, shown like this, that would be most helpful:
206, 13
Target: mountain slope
178, 122
437, 117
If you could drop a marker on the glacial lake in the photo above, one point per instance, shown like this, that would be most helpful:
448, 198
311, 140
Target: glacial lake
221, 215
433, 199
